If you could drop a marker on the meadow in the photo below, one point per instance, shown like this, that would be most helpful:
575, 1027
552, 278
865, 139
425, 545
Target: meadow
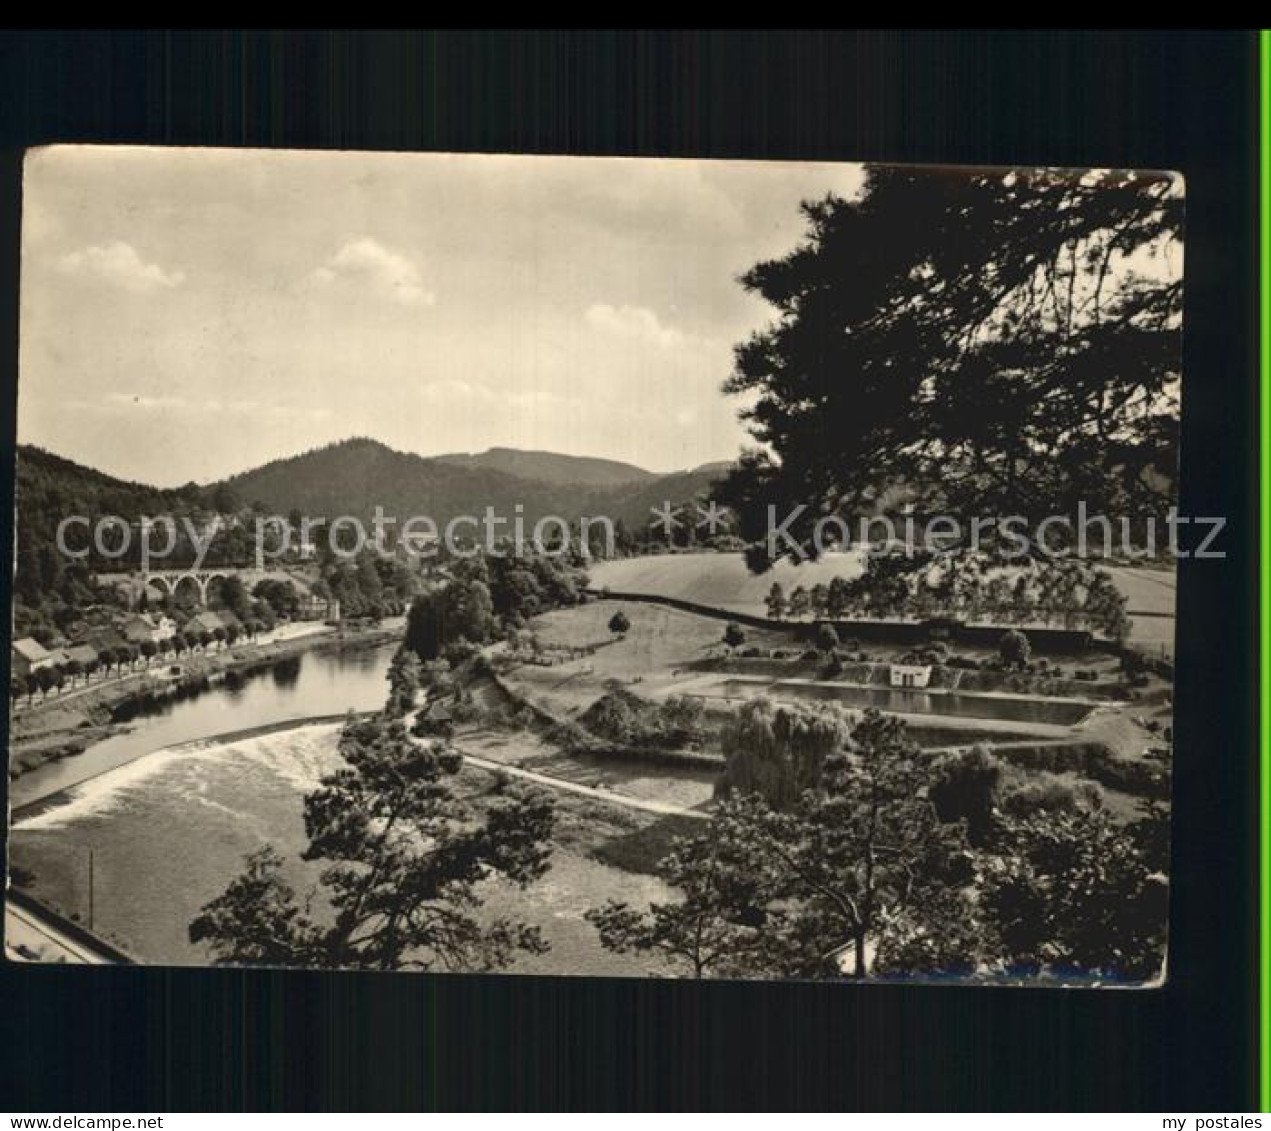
723, 581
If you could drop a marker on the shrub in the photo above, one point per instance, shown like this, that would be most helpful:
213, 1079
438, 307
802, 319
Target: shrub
569, 735
623, 718
1133, 664
1051, 795
427, 728
459, 651
1014, 648
964, 788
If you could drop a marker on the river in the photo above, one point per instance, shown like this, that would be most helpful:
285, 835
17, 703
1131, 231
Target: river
161, 817
323, 682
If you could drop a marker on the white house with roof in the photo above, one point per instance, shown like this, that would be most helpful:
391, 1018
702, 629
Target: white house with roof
910, 675
29, 655
140, 627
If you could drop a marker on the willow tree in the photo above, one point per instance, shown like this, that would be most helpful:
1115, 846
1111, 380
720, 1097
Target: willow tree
854, 876
778, 751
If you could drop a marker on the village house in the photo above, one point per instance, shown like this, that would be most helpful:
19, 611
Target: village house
910, 675
210, 620
29, 655
141, 627
137, 629
83, 654
435, 718
57, 658
229, 620
206, 621
103, 639
309, 606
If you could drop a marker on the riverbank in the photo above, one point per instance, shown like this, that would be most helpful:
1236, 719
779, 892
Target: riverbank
67, 725
185, 816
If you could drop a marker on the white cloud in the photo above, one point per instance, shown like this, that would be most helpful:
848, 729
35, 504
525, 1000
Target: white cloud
366, 262
638, 322
118, 264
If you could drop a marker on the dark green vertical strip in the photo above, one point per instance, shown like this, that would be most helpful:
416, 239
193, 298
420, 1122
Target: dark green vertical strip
1264, 675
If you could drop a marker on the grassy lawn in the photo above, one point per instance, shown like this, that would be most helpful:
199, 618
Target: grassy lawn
640, 849
650, 658
722, 580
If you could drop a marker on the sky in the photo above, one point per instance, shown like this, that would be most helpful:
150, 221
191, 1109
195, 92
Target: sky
190, 313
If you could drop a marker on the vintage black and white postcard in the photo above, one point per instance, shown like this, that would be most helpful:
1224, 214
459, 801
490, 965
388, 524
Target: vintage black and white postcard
593, 566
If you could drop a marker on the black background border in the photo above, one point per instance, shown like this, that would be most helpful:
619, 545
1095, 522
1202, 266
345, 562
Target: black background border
120, 1039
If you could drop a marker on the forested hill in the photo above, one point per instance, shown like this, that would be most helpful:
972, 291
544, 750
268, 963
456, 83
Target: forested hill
551, 467
354, 476
50, 488
48, 483
351, 478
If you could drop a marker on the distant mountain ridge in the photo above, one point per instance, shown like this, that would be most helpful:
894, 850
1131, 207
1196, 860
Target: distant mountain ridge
354, 476
552, 467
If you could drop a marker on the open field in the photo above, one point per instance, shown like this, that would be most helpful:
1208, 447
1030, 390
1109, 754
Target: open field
722, 580
1152, 593
651, 657
1147, 590
661, 655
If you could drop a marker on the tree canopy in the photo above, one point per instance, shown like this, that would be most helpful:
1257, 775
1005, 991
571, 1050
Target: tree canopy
403, 856
1001, 343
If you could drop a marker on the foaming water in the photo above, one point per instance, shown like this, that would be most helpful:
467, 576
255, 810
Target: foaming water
168, 832
310, 685
197, 773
